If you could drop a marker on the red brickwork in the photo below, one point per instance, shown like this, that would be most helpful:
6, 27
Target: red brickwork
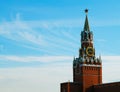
88, 76
70, 87
109, 87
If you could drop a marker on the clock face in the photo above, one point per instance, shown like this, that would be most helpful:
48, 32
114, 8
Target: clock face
90, 51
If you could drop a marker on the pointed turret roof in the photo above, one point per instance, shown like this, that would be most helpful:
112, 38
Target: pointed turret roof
86, 25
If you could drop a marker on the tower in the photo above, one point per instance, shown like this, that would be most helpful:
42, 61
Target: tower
87, 69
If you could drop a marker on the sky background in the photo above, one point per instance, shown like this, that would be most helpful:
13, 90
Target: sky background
39, 38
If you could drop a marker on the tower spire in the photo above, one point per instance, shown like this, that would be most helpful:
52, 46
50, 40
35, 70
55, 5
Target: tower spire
86, 25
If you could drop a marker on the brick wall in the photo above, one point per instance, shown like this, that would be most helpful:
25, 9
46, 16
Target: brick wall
108, 87
70, 87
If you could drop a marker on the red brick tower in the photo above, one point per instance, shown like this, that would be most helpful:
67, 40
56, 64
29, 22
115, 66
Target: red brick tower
87, 69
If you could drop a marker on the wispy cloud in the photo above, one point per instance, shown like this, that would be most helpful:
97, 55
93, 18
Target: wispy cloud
21, 32
35, 58
101, 40
41, 35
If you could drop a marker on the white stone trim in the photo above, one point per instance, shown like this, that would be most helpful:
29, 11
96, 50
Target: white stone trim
90, 65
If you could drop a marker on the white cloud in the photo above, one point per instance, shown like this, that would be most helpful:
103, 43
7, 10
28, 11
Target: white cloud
111, 58
35, 58
18, 17
50, 76
34, 79
111, 69
17, 58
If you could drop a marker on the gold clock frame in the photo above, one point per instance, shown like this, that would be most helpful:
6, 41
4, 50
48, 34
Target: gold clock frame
87, 51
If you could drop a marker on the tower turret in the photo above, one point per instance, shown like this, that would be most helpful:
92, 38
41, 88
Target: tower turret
87, 69
87, 50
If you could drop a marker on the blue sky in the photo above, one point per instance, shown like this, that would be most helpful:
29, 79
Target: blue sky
39, 38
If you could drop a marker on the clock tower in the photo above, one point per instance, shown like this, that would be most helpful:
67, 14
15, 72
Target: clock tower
87, 69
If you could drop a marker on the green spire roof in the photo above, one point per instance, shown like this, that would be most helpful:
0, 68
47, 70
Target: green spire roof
86, 25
